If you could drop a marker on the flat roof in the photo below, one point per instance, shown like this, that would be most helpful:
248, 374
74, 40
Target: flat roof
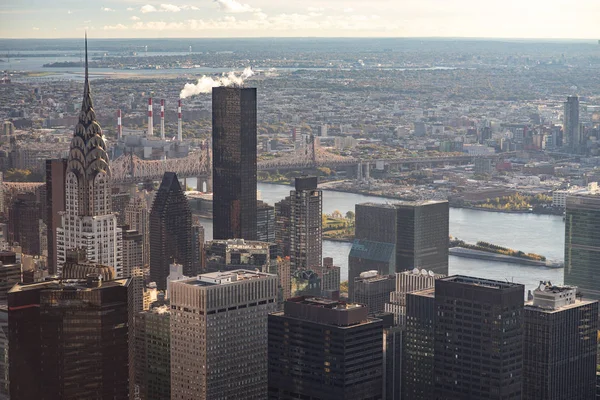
225, 277
489, 283
79, 284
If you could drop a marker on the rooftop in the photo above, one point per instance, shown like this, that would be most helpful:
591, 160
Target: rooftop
222, 278
68, 284
489, 283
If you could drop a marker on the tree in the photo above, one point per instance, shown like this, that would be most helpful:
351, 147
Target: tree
17, 175
350, 215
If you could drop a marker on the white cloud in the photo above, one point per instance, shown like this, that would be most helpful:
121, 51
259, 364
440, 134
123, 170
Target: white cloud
135, 18
314, 14
261, 15
107, 9
129, 8
118, 27
169, 8
185, 7
69, 12
35, 28
232, 6
148, 8
315, 9
348, 10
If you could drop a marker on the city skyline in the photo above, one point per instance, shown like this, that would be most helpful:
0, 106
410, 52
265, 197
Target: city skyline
264, 18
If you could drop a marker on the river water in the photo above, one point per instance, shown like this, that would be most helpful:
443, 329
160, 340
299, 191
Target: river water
542, 234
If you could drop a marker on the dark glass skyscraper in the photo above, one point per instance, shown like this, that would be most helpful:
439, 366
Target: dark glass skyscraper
170, 231
571, 131
56, 171
582, 244
422, 236
478, 342
234, 163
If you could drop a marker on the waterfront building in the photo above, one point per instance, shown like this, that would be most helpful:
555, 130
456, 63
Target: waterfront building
325, 349
232, 254
559, 359
56, 171
265, 222
234, 163
306, 231
153, 353
582, 244
366, 255
418, 346
72, 337
170, 231
88, 221
422, 235
373, 290
219, 335
478, 342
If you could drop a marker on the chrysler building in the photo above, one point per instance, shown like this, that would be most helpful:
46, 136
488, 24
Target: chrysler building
88, 221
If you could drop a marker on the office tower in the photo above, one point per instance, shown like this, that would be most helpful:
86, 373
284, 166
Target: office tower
120, 201
330, 277
478, 343
133, 244
24, 223
10, 273
153, 353
265, 222
582, 244
324, 349
55, 203
366, 255
228, 360
559, 354
407, 282
571, 132
418, 346
170, 231
306, 209
4, 363
88, 221
422, 235
283, 225
197, 245
234, 163
137, 217
72, 337
281, 268
392, 356
373, 290
232, 254
375, 222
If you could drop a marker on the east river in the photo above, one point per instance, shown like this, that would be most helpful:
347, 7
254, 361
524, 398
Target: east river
541, 234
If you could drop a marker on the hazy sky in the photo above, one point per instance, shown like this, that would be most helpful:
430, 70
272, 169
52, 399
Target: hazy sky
246, 18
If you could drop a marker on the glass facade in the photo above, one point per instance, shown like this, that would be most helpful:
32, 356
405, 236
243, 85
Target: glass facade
582, 245
234, 163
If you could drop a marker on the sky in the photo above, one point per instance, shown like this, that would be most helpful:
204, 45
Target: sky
551, 19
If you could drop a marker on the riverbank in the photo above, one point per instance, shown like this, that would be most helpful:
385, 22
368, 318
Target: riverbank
484, 255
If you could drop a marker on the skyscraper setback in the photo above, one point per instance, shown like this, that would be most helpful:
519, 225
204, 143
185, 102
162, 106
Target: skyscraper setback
234, 163
88, 221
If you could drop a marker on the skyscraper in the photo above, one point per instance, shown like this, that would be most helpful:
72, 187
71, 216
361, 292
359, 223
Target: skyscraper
234, 163
219, 335
265, 222
478, 349
88, 221
133, 245
324, 349
283, 224
10, 273
306, 231
373, 290
170, 231
137, 217
72, 337
582, 244
55, 203
366, 255
571, 131
559, 359
24, 223
422, 236
375, 222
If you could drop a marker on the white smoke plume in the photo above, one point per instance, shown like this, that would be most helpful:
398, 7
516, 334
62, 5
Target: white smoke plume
206, 83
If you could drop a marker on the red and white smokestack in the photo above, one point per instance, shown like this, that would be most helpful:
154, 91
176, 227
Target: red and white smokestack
119, 125
162, 119
179, 128
150, 132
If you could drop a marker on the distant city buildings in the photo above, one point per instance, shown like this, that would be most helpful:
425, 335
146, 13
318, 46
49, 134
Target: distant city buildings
233, 254
560, 344
228, 360
234, 163
170, 231
326, 349
582, 244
